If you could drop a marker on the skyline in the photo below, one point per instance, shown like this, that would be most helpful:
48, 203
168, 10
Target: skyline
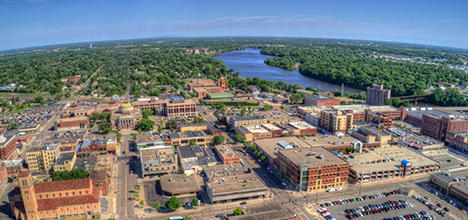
36, 23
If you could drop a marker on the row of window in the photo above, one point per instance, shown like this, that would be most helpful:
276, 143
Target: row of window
60, 195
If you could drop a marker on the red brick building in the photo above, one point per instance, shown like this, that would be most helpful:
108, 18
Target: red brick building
226, 154
54, 200
70, 123
222, 84
313, 168
8, 147
100, 180
321, 101
436, 126
362, 112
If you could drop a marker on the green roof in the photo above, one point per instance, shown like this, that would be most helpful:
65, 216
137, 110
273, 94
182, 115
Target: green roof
220, 95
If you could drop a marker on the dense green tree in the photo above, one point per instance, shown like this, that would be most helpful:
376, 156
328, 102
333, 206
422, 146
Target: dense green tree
173, 203
70, 175
146, 124
105, 127
238, 138
219, 139
146, 113
172, 124
238, 211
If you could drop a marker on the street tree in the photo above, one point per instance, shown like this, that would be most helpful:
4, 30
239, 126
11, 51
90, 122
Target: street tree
173, 203
238, 211
146, 124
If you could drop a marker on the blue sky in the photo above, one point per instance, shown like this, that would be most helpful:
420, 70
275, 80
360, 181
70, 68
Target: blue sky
26, 23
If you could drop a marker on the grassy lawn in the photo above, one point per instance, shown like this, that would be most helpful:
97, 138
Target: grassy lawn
19, 93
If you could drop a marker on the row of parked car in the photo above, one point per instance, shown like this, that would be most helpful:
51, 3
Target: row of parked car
376, 208
362, 198
441, 210
423, 215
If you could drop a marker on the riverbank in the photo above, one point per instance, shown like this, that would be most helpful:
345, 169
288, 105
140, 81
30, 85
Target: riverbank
250, 63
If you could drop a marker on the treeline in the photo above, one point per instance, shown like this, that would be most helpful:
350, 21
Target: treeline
343, 64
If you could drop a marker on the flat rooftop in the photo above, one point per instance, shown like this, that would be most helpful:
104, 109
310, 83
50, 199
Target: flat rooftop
461, 186
320, 98
247, 118
148, 138
231, 178
271, 127
388, 158
362, 108
189, 151
419, 112
253, 129
301, 125
226, 151
68, 156
264, 211
150, 154
179, 183
77, 118
313, 156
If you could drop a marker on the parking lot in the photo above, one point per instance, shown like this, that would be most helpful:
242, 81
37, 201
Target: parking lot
338, 213
448, 162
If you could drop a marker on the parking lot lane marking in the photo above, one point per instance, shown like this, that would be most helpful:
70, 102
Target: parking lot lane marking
298, 214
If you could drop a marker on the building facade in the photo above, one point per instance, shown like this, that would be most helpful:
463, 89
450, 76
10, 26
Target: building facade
227, 155
436, 126
376, 95
71, 123
321, 101
54, 200
334, 120
312, 169
8, 148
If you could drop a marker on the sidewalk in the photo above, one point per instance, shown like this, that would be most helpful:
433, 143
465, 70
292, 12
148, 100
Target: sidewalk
112, 195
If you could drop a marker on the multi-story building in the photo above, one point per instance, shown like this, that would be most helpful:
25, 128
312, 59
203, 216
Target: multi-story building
371, 137
237, 121
174, 107
195, 158
302, 128
8, 148
442, 181
232, 182
312, 118
314, 168
126, 118
362, 112
380, 119
65, 161
321, 101
71, 123
256, 132
14, 167
93, 148
100, 180
95, 163
148, 141
203, 87
457, 140
42, 158
333, 120
200, 127
459, 190
302, 110
437, 126
203, 138
388, 163
112, 145
376, 95
54, 200
420, 143
226, 154
158, 161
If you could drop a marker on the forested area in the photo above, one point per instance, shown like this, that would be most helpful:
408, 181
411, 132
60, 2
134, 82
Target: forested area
148, 63
355, 67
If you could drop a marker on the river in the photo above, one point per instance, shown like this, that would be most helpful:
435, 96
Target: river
249, 63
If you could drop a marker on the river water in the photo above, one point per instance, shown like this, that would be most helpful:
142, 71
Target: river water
249, 63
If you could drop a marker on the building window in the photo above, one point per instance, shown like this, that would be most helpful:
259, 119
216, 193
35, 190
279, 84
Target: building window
86, 191
53, 195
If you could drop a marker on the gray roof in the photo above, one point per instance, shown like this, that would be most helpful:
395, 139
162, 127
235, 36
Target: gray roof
188, 151
64, 157
320, 98
85, 163
86, 143
243, 118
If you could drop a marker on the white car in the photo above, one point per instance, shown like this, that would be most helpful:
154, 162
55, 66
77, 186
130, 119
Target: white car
283, 183
339, 189
331, 190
